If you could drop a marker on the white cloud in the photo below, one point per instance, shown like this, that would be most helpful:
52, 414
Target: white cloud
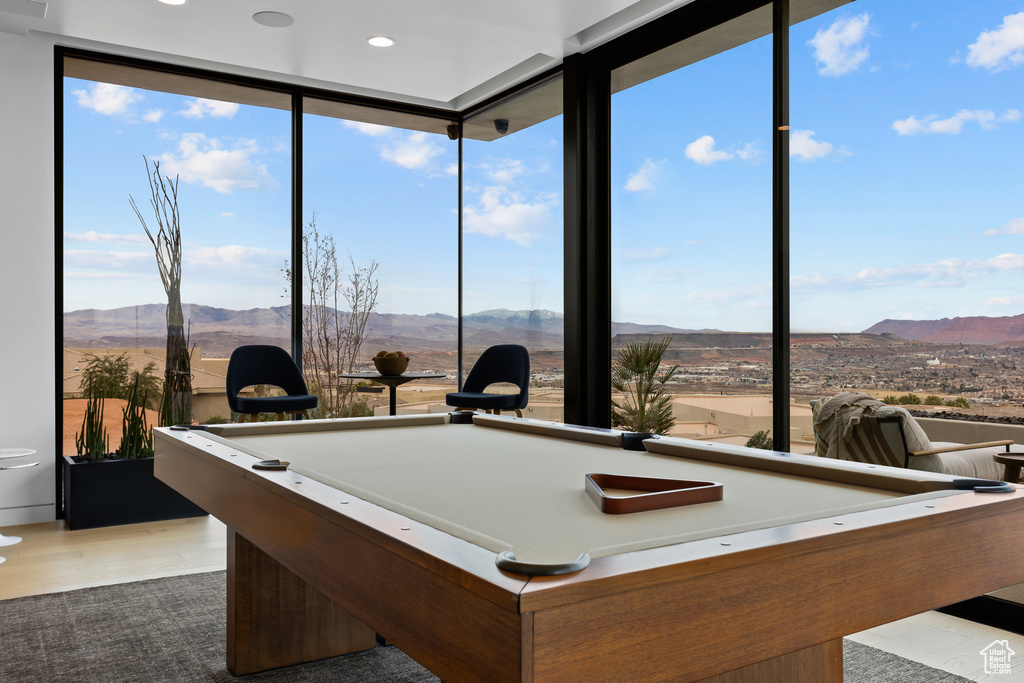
107, 98
1000, 49
201, 108
839, 49
153, 115
505, 171
225, 214
108, 260
205, 160
106, 238
232, 256
414, 151
372, 129
985, 118
802, 144
1014, 227
947, 273
1004, 262
749, 152
702, 150
752, 296
507, 215
952, 272
643, 178
97, 276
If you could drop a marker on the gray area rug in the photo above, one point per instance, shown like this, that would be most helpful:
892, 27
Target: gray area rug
173, 630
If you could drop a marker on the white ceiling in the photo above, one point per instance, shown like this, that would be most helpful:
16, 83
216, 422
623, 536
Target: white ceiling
448, 53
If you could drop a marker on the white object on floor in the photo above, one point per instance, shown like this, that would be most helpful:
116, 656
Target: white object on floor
5, 454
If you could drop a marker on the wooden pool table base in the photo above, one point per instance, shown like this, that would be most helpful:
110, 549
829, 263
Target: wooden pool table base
276, 619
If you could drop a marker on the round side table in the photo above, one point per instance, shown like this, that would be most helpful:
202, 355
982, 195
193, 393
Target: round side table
1012, 463
8, 454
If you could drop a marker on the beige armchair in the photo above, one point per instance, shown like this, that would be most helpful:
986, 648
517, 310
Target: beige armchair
860, 428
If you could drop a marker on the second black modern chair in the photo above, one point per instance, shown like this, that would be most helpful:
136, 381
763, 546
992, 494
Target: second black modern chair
502, 363
263, 364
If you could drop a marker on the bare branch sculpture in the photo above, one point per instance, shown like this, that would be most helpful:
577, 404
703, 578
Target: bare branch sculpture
334, 318
176, 406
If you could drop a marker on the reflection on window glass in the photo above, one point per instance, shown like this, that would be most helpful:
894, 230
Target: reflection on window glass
231, 165
907, 210
381, 264
512, 239
692, 234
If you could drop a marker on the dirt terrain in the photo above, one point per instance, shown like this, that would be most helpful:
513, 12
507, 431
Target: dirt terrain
113, 417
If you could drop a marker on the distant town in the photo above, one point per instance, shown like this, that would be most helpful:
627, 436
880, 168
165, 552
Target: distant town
711, 361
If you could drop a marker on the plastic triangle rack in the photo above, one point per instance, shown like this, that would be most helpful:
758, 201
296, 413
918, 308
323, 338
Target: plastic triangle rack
640, 494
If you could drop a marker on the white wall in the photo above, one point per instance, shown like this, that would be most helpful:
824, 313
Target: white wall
28, 357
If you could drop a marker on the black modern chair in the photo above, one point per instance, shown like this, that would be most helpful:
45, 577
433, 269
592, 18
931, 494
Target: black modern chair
502, 363
262, 364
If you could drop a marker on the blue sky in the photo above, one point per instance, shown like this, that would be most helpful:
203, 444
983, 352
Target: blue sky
907, 189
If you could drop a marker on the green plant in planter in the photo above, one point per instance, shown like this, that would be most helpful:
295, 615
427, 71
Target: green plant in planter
136, 436
92, 443
646, 405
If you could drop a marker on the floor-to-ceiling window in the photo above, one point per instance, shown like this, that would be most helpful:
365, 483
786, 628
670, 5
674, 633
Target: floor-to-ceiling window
691, 191
380, 217
379, 213
223, 156
907, 204
512, 237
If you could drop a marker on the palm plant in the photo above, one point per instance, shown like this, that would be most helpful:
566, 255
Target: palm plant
646, 405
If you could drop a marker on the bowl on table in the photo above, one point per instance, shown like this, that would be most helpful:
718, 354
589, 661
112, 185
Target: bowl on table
391, 366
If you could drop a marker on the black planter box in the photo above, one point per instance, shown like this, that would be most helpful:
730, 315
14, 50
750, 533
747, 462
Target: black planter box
112, 492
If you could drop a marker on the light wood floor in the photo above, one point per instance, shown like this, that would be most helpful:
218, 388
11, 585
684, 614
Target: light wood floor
52, 559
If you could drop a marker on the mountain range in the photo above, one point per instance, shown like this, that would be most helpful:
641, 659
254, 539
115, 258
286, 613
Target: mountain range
217, 329
975, 329
212, 328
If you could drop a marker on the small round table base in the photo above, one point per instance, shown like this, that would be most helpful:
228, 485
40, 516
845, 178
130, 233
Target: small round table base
9, 540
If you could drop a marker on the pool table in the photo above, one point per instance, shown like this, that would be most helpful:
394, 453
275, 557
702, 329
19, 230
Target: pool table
476, 549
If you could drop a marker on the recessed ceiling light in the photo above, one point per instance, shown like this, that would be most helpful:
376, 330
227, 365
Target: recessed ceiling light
273, 19
174, 2
380, 41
